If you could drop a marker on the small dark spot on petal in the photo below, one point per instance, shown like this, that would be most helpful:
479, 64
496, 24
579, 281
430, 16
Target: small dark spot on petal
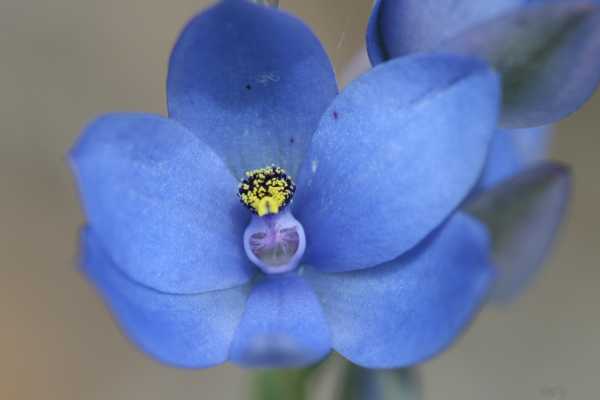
292, 140
248, 87
336, 115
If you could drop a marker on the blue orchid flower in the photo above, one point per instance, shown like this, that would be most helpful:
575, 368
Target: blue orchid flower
547, 51
269, 219
548, 54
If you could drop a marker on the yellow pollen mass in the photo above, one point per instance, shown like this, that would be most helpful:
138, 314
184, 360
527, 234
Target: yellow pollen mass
266, 190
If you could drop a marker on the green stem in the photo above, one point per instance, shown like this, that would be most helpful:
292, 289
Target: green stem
364, 384
352, 382
280, 384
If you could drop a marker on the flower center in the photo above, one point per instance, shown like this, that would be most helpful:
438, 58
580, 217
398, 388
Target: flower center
274, 240
266, 190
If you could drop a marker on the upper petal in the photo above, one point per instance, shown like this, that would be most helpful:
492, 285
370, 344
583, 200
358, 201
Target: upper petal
395, 154
408, 310
252, 82
399, 27
191, 331
548, 54
523, 214
283, 325
162, 203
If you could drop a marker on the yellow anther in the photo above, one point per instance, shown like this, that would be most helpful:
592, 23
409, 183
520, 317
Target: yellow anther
266, 190
267, 205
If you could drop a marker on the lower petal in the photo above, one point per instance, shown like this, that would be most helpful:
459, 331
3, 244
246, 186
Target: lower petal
283, 326
410, 309
190, 331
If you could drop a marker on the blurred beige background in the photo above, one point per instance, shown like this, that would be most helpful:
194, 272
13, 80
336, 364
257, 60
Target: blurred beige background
65, 61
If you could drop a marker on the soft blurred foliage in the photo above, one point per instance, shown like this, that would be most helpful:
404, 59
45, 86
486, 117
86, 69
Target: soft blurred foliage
66, 61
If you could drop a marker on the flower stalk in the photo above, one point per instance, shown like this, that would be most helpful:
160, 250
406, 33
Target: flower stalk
351, 382
275, 384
